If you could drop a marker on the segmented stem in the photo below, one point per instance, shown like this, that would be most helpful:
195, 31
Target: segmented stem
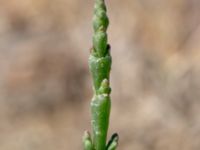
100, 66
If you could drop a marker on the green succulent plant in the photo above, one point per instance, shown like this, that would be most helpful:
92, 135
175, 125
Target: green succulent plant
100, 66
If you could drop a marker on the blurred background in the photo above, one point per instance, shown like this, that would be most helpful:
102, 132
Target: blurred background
45, 84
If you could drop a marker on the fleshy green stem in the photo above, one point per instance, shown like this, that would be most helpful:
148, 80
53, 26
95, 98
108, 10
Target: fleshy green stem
100, 66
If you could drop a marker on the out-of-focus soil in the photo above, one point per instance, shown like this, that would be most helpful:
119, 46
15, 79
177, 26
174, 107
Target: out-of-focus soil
45, 85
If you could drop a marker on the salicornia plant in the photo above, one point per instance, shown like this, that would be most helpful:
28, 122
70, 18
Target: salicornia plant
100, 66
